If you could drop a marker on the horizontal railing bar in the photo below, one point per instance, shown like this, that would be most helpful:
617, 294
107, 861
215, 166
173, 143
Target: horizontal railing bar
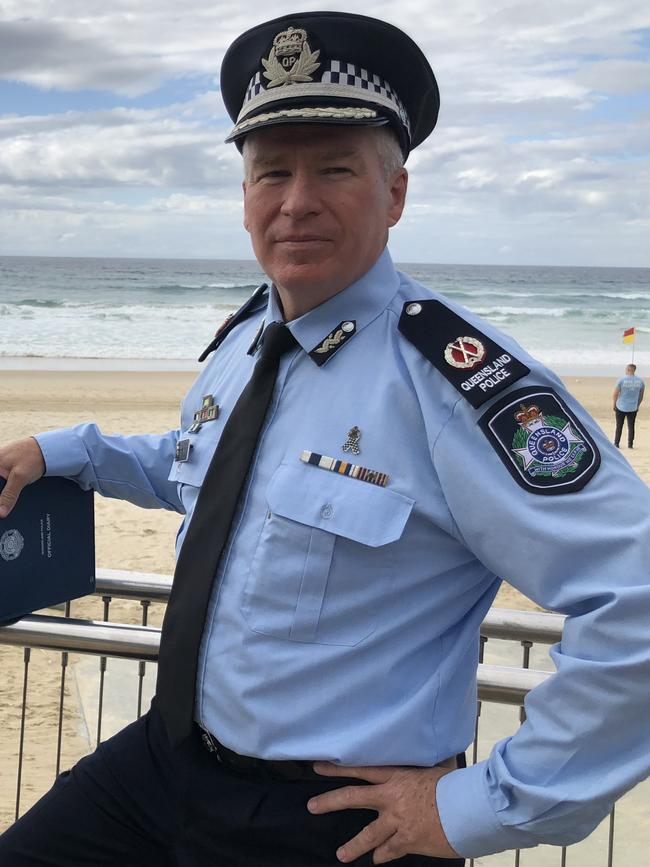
506, 623
121, 584
83, 636
495, 683
504, 685
513, 625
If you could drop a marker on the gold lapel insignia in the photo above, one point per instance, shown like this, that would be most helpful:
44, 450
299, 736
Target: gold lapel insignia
291, 60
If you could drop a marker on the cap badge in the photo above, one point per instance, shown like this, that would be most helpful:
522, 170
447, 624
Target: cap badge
291, 60
464, 352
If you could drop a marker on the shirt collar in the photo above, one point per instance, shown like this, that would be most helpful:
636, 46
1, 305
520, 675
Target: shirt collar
329, 327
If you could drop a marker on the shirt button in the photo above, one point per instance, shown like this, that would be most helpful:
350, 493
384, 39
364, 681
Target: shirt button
327, 511
414, 309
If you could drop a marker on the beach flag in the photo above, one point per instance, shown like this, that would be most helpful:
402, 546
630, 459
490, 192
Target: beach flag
628, 335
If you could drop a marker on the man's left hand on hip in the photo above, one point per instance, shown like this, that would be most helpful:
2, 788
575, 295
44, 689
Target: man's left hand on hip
405, 799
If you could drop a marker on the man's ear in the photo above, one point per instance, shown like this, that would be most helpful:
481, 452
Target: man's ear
397, 191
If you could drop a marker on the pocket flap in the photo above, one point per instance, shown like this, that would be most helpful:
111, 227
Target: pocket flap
338, 504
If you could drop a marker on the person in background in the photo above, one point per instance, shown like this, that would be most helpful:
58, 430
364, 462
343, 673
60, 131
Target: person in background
628, 396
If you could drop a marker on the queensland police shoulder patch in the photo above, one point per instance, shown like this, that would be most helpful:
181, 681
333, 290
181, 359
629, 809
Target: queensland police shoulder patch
471, 361
539, 439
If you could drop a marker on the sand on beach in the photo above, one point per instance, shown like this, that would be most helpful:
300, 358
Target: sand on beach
136, 539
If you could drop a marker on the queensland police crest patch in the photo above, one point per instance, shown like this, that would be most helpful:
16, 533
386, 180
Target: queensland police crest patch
540, 441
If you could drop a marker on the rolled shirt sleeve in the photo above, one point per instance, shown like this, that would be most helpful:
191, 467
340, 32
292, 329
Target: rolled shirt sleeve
132, 468
586, 554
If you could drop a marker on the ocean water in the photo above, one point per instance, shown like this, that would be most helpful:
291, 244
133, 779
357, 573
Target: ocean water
160, 312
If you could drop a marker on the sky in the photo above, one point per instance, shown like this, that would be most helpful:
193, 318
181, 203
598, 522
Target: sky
112, 128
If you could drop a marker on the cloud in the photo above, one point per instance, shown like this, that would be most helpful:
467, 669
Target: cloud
543, 125
47, 54
128, 147
616, 76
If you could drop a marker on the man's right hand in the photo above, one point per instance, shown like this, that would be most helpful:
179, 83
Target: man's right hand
21, 463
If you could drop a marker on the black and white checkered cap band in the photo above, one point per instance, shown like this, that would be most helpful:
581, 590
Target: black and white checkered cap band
339, 79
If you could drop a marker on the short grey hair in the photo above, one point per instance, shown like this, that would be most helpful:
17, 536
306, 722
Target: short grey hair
389, 150
388, 147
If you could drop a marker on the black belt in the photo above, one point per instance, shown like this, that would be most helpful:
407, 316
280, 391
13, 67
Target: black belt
264, 768
297, 769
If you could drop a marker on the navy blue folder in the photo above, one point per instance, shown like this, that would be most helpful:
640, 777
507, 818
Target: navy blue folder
47, 548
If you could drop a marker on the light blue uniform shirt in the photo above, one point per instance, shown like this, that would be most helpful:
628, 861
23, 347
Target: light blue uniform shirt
630, 388
345, 617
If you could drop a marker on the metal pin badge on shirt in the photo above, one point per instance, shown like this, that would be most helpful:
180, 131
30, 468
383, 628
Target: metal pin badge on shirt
209, 412
352, 442
183, 449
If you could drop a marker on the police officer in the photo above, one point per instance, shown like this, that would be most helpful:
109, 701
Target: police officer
409, 454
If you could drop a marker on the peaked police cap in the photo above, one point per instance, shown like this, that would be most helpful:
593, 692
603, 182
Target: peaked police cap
329, 67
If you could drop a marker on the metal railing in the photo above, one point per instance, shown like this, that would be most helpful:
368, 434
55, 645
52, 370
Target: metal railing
500, 686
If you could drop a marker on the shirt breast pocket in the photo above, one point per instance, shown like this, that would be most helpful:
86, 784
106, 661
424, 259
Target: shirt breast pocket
323, 563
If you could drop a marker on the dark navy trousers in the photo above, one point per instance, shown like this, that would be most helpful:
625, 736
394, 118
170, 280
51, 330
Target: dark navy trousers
630, 417
135, 802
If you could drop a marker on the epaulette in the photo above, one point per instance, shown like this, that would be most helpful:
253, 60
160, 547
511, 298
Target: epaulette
254, 303
471, 361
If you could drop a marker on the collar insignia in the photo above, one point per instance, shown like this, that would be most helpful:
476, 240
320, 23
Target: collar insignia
254, 303
291, 60
333, 341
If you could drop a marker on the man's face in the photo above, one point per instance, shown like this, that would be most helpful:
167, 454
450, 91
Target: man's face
318, 206
629, 370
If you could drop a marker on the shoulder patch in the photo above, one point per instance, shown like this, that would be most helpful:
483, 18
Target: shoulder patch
254, 303
473, 363
540, 441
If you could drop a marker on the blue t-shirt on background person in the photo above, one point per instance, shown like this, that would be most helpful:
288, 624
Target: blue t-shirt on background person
630, 390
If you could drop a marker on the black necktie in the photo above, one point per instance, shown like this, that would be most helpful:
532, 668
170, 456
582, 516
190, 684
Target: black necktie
207, 535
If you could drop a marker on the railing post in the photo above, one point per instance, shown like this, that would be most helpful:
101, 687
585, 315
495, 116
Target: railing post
142, 664
102, 674
64, 665
27, 655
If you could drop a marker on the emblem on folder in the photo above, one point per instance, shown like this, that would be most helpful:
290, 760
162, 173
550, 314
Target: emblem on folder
11, 544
